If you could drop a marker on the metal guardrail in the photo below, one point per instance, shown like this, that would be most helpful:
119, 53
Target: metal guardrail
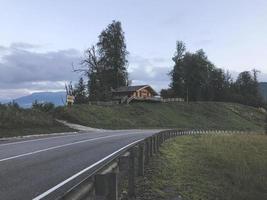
103, 183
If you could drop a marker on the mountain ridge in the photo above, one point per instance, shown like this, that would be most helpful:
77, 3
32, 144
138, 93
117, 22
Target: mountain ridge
57, 98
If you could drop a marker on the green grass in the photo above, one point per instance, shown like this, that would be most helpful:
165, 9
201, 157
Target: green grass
169, 115
17, 121
207, 115
222, 167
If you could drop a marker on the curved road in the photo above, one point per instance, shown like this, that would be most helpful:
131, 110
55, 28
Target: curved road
43, 168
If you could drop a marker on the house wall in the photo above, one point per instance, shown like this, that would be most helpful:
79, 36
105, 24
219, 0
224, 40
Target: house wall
142, 93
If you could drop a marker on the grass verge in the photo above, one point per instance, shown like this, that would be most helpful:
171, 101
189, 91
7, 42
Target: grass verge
207, 115
228, 167
16, 121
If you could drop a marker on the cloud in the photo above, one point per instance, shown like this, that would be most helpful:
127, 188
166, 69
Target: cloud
203, 42
263, 77
23, 45
152, 71
9, 94
23, 69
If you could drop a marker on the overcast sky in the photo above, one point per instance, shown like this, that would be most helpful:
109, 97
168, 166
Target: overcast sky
40, 39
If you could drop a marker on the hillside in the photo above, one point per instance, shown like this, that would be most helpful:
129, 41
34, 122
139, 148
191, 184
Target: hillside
17, 121
206, 115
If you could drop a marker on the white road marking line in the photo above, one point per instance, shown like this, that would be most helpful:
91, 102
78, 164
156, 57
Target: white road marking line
68, 135
64, 145
40, 139
81, 172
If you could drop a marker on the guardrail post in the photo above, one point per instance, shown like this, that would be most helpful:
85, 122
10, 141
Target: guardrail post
147, 151
154, 144
85, 190
106, 186
151, 146
160, 139
157, 143
113, 182
141, 160
124, 162
131, 176
165, 136
101, 186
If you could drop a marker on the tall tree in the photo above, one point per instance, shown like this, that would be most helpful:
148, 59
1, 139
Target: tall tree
216, 85
248, 89
196, 70
105, 64
177, 74
92, 67
194, 77
80, 92
113, 53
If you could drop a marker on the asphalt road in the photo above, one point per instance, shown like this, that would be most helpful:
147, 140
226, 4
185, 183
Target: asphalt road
42, 168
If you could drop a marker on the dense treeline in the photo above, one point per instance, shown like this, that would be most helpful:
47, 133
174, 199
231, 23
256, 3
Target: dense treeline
195, 78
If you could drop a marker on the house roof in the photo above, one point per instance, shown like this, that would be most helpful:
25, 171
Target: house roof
134, 88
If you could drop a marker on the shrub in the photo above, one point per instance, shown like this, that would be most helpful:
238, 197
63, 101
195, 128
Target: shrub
44, 107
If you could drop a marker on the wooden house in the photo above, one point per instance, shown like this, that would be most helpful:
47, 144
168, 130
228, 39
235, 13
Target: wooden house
137, 92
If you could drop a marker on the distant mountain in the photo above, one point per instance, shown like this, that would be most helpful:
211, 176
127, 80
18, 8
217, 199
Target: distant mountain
57, 98
4, 101
263, 90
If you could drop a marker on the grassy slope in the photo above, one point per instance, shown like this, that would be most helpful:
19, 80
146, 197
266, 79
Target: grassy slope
14, 122
208, 167
168, 115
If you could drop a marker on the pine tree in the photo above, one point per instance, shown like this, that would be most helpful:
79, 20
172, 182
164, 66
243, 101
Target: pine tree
247, 88
113, 53
177, 84
80, 92
106, 63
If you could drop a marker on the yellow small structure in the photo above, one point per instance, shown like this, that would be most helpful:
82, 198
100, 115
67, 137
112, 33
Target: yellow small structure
70, 100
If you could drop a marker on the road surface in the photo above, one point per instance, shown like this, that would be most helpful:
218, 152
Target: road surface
43, 168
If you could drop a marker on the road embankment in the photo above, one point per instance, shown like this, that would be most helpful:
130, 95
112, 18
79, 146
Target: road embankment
221, 166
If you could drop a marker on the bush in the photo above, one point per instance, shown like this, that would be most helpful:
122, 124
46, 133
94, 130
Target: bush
14, 105
44, 107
